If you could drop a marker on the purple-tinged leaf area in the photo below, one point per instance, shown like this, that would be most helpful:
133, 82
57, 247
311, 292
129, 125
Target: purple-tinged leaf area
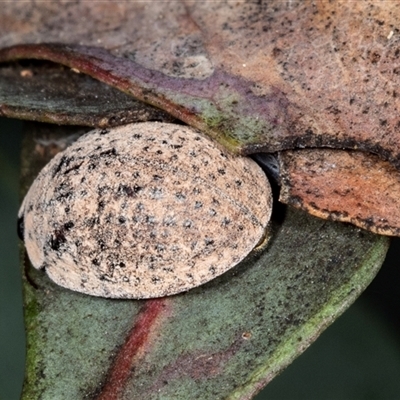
256, 75
225, 339
49, 92
221, 105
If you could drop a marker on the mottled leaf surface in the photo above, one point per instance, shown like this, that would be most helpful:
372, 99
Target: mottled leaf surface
225, 339
256, 75
342, 185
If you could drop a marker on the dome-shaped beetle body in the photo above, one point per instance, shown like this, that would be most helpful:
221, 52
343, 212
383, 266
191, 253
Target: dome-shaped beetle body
143, 210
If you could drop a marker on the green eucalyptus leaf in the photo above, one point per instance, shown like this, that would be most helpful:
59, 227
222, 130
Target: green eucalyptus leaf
225, 339
48, 92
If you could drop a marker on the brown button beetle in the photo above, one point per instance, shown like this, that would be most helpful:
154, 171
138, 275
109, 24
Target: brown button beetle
143, 210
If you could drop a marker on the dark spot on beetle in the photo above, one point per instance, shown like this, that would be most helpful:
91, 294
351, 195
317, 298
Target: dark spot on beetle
122, 265
91, 222
73, 168
95, 261
212, 270
129, 190
221, 171
157, 177
188, 223
57, 239
91, 167
137, 189
156, 193
121, 220
176, 146
102, 190
198, 204
180, 196
208, 241
150, 219
382, 122
226, 221
64, 161
146, 148
110, 152
66, 195
68, 225
159, 248
155, 279
67, 210
101, 243
169, 221
20, 227
104, 131
101, 205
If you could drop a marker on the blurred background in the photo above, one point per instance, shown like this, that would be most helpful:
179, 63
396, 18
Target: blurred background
358, 357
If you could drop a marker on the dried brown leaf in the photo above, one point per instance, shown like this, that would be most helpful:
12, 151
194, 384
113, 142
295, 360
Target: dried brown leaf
298, 73
343, 186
